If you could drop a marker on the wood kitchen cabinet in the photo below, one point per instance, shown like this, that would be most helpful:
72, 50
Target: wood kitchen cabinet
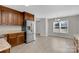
31, 17
20, 38
5, 16
15, 18
10, 17
12, 39
28, 16
20, 19
15, 38
10, 20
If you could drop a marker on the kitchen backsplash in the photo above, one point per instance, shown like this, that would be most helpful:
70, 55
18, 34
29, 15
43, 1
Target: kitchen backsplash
5, 28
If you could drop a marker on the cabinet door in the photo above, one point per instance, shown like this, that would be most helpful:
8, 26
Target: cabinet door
10, 20
15, 18
12, 38
29, 16
25, 16
0, 15
20, 39
8, 16
13, 41
20, 18
5, 16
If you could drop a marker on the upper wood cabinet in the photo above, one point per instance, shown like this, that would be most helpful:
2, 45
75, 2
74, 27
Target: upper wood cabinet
10, 17
20, 19
5, 16
15, 18
28, 16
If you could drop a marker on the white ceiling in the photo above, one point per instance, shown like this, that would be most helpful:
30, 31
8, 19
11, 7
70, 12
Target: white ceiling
48, 10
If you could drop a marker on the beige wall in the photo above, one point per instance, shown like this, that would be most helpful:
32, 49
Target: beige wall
41, 27
37, 27
73, 27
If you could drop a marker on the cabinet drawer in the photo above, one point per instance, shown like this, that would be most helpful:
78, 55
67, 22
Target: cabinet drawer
12, 35
21, 33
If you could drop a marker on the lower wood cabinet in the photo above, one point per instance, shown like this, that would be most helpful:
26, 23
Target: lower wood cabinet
13, 41
20, 38
15, 38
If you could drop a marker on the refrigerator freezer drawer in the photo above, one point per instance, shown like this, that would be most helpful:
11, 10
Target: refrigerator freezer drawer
30, 38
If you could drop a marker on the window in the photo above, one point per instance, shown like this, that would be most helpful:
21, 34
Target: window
60, 26
56, 26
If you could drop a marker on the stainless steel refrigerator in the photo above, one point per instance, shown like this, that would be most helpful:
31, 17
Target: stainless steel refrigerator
28, 27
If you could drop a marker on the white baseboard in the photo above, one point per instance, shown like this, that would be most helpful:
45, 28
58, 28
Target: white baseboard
69, 37
43, 35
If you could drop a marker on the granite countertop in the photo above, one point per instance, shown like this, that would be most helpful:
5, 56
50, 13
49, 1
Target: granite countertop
4, 44
9, 32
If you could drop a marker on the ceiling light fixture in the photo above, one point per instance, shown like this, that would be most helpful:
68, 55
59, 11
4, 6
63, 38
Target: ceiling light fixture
27, 5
